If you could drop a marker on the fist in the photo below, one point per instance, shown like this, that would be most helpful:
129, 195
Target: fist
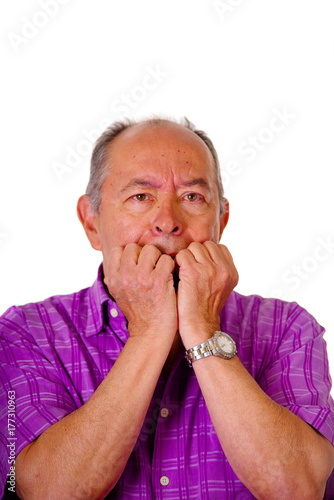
141, 281
207, 277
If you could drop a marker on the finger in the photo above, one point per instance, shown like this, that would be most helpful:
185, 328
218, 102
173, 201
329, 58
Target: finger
229, 259
215, 251
226, 253
114, 259
131, 254
199, 251
185, 257
148, 257
112, 266
165, 265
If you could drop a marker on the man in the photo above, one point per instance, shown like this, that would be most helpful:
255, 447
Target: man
106, 404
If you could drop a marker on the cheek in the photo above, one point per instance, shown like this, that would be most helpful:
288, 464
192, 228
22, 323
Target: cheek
120, 232
205, 230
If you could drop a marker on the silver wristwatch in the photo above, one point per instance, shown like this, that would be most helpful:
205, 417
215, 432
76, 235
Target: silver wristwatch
220, 344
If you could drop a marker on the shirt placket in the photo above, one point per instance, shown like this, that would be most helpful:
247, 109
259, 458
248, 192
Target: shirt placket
166, 466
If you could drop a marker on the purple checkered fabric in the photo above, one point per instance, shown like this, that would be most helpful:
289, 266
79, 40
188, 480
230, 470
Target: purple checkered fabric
55, 353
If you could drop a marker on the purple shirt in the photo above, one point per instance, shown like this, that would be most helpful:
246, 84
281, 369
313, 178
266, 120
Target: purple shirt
55, 353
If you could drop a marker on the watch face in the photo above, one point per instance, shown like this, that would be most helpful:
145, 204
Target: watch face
225, 344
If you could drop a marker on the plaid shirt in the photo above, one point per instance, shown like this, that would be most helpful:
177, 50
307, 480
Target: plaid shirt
55, 353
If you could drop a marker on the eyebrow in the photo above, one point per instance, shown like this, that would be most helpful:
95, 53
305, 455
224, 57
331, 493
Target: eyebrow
141, 182
197, 182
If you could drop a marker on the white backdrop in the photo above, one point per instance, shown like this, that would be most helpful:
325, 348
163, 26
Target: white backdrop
256, 75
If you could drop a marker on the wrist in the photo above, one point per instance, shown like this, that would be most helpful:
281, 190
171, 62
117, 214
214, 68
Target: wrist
150, 346
152, 332
197, 334
220, 344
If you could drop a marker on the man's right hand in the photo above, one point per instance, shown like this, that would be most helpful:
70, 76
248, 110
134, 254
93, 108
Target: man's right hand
140, 279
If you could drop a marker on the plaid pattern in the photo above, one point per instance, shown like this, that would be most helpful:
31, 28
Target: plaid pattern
55, 353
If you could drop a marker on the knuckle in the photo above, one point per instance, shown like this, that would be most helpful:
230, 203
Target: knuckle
150, 246
167, 260
226, 274
110, 279
151, 249
184, 251
195, 244
223, 247
131, 249
130, 246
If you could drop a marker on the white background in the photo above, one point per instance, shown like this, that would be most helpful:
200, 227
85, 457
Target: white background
70, 66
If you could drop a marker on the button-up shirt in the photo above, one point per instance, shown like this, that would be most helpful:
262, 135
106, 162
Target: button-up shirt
55, 353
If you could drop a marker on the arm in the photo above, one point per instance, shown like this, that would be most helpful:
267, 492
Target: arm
273, 452
83, 455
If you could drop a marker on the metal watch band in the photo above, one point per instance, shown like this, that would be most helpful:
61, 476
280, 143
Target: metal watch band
203, 350
212, 347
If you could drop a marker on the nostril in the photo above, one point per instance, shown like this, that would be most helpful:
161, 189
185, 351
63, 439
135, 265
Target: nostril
174, 230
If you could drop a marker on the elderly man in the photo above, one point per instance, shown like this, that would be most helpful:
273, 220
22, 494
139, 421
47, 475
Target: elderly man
106, 404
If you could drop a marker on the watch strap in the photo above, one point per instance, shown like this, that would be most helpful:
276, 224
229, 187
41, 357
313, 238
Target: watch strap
211, 347
203, 350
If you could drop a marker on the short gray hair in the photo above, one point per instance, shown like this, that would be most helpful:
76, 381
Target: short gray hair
100, 163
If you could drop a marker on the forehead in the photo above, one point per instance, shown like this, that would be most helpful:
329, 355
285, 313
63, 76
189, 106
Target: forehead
166, 146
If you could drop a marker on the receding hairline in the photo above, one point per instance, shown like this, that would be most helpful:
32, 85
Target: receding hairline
156, 123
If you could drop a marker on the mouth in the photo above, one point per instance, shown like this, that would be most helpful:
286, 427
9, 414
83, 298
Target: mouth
173, 255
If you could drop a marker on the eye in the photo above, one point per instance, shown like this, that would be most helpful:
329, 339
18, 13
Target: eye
193, 197
140, 197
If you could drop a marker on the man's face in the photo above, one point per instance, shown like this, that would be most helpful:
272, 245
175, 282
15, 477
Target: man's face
161, 190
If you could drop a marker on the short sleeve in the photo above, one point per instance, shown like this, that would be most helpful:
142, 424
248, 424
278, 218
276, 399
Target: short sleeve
32, 396
297, 376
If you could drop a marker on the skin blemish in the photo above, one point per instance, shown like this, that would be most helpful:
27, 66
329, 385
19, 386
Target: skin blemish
187, 161
134, 156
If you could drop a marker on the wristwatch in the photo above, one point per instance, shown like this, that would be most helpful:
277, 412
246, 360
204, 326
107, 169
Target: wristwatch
220, 344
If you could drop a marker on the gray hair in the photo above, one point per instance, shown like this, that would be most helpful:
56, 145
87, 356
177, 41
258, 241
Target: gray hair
100, 161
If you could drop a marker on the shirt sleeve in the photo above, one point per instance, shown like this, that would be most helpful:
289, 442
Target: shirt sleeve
297, 376
32, 396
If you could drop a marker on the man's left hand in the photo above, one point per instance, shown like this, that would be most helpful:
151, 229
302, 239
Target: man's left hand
207, 277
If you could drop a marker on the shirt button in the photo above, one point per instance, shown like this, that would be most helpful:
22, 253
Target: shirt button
114, 312
164, 480
164, 412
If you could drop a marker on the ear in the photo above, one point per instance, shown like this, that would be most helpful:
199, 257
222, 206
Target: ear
89, 221
225, 216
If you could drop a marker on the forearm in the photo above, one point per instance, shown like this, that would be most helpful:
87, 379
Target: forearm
83, 455
273, 452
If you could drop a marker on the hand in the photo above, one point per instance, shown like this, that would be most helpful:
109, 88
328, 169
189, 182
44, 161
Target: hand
207, 277
141, 281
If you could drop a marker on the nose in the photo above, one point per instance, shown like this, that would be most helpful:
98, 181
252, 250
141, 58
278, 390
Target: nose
167, 220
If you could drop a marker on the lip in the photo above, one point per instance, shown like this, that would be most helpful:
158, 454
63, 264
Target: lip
173, 255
